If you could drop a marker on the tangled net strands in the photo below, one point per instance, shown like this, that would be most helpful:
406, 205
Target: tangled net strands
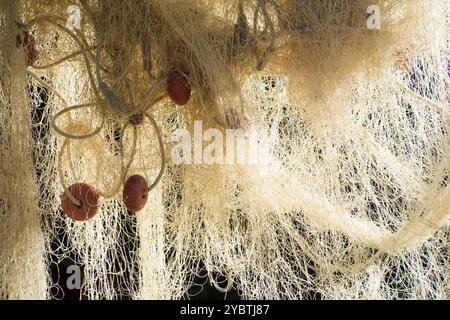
352, 200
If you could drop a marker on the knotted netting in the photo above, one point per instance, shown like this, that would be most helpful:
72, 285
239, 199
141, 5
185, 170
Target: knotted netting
348, 196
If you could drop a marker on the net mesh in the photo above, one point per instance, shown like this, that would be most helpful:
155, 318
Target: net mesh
349, 197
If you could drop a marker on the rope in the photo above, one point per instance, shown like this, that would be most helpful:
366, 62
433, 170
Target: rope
161, 150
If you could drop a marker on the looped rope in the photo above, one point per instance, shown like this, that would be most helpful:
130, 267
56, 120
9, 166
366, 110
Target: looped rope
114, 101
161, 150
62, 60
73, 136
78, 37
66, 110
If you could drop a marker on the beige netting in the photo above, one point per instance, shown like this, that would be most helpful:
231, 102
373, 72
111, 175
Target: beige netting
351, 199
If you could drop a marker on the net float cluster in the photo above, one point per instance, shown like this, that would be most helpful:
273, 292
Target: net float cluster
134, 194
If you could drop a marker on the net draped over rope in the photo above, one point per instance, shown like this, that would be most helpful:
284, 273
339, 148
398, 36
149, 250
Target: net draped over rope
352, 200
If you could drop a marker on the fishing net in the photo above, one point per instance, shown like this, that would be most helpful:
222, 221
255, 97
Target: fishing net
306, 155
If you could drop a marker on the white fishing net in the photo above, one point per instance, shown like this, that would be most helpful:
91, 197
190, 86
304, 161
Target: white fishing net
341, 190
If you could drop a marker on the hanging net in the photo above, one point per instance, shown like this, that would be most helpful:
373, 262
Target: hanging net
288, 149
